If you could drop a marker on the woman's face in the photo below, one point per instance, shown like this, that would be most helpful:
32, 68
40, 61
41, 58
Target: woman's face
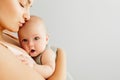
14, 13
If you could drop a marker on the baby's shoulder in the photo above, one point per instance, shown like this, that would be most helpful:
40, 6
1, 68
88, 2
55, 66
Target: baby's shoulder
49, 53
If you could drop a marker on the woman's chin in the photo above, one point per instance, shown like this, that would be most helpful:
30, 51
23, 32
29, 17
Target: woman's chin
14, 29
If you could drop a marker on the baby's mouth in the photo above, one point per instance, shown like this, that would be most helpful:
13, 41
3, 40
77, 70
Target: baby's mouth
32, 51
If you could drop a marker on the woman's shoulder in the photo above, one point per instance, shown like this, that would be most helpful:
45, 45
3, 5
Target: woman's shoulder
10, 38
3, 49
6, 47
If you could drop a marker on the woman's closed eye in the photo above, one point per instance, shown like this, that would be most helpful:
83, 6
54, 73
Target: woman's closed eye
21, 5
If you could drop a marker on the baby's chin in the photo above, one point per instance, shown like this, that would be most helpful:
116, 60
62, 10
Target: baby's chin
33, 54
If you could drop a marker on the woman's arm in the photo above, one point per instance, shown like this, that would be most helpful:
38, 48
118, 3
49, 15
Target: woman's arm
60, 71
12, 69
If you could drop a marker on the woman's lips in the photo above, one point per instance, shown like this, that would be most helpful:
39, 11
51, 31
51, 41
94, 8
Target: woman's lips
21, 24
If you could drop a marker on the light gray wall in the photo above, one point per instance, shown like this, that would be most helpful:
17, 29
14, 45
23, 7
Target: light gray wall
89, 32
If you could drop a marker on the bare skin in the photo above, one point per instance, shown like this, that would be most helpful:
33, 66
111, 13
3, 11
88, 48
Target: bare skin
33, 38
13, 14
59, 74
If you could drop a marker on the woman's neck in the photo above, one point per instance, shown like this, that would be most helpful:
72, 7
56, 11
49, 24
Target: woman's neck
1, 32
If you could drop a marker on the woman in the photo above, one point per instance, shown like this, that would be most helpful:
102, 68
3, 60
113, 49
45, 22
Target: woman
13, 14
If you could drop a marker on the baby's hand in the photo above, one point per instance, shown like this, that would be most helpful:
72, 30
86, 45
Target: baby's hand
24, 60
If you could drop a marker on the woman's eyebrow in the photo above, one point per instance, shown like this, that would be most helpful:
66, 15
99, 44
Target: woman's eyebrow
29, 1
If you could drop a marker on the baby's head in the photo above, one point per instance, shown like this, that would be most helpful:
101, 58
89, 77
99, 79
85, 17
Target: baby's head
33, 36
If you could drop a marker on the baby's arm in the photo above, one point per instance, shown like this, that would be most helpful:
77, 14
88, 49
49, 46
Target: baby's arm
48, 64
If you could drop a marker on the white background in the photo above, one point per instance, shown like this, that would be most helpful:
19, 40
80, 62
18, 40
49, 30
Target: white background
88, 31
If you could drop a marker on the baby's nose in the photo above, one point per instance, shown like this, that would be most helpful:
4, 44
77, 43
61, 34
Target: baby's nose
31, 44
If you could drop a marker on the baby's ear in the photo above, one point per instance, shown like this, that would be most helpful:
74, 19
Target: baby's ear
47, 38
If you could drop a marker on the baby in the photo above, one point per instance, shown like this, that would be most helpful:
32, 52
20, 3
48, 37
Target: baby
33, 39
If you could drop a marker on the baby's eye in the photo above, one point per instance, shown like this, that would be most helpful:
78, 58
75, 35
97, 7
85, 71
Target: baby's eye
21, 5
36, 38
24, 40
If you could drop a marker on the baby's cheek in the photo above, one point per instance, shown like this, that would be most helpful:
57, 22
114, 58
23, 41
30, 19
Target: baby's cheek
26, 48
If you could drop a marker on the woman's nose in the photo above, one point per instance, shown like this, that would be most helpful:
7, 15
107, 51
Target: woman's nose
26, 15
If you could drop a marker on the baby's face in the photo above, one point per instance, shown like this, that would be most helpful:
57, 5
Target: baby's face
33, 38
